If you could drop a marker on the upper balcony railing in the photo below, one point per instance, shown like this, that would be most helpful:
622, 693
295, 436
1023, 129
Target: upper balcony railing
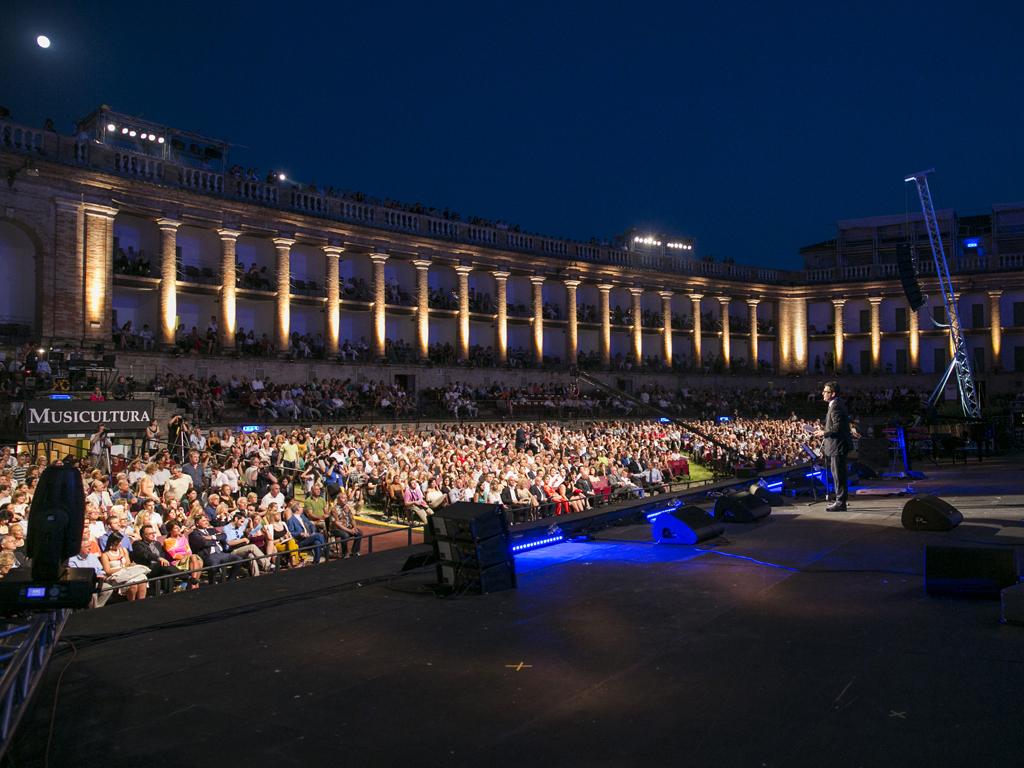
358, 209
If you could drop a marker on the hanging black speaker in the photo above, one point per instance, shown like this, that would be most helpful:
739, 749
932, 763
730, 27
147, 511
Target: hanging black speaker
907, 271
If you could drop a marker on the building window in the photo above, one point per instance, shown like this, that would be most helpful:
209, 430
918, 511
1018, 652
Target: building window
979, 359
977, 315
939, 313
901, 319
901, 361
1018, 359
865, 361
865, 321
1018, 313
940, 359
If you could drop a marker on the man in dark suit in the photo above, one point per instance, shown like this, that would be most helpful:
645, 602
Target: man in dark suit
148, 552
837, 442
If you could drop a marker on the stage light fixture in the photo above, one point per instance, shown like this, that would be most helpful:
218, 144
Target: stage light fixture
281, 177
160, 140
124, 131
43, 41
133, 134
111, 127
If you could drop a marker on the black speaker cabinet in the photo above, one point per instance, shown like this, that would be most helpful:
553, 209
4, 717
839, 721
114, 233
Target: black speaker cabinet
472, 549
685, 525
930, 513
741, 508
967, 571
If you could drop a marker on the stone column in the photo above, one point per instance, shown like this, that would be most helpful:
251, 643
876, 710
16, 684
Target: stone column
914, 341
538, 318
463, 273
606, 325
995, 327
752, 320
63, 298
284, 293
792, 335
332, 311
501, 319
638, 326
838, 333
168, 280
99, 273
572, 325
726, 337
422, 307
666, 327
379, 304
698, 360
228, 287
876, 333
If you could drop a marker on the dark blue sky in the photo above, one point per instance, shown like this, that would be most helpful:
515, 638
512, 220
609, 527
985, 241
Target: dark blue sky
752, 129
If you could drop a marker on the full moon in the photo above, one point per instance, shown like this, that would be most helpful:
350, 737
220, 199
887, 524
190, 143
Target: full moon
43, 41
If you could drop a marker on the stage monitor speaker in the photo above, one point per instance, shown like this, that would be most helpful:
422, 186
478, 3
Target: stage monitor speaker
741, 507
968, 571
862, 470
908, 276
769, 498
685, 525
930, 513
471, 546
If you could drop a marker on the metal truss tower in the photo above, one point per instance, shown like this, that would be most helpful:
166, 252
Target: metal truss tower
961, 361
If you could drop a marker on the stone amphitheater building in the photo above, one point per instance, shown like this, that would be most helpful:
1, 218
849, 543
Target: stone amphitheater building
76, 209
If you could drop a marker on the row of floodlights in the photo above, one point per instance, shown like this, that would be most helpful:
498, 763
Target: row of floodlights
132, 133
654, 241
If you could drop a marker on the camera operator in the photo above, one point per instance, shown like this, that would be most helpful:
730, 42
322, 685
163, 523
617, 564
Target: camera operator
99, 449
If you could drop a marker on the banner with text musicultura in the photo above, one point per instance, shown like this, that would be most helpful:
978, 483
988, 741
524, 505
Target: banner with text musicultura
81, 418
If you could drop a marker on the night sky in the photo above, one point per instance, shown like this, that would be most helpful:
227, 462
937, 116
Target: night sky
751, 129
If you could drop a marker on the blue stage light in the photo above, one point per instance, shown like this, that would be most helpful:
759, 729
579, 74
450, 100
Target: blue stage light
251, 428
60, 397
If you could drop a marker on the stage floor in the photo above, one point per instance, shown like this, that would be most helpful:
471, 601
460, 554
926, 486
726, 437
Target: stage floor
820, 650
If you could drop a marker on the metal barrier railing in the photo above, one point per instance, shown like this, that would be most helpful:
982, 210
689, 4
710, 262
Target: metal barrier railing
24, 667
331, 542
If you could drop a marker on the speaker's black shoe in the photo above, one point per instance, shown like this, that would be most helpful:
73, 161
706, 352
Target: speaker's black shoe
837, 507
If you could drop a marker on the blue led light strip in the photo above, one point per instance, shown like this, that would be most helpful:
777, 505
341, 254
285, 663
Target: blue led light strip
547, 540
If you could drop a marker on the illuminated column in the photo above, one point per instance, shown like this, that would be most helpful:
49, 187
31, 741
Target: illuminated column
168, 280
284, 292
697, 358
914, 341
422, 307
838, 331
798, 324
538, 318
876, 333
606, 325
501, 319
996, 327
666, 327
228, 287
752, 308
332, 315
379, 304
99, 272
572, 329
463, 272
638, 326
726, 338
792, 335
